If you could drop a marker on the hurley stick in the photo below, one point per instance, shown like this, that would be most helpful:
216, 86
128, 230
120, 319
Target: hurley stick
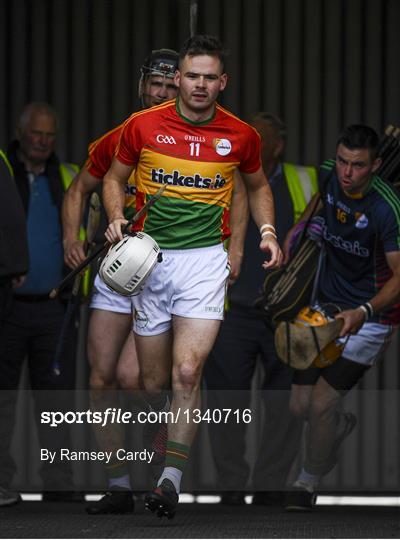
106, 245
93, 223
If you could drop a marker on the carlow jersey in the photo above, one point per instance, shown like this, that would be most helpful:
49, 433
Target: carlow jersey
358, 232
197, 161
101, 153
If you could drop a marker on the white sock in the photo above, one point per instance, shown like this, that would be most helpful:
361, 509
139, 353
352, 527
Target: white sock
174, 475
120, 481
307, 481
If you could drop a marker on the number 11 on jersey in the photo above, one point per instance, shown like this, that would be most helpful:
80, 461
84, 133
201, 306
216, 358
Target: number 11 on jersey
194, 149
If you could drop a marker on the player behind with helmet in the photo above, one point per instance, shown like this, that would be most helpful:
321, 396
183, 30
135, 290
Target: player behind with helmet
360, 273
111, 347
194, 146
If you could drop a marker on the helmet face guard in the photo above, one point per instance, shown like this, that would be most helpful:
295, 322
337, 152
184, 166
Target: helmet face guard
310, 340
162, 63
129, 263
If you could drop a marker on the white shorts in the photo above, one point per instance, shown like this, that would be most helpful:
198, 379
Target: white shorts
105, 298
368, 345
188, 283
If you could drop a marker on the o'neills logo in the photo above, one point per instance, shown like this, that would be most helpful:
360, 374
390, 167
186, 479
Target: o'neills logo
196, 181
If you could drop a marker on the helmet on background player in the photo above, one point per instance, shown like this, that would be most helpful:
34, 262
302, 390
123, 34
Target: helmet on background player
160, 63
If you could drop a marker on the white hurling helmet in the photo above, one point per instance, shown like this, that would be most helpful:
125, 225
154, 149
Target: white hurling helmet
129, 263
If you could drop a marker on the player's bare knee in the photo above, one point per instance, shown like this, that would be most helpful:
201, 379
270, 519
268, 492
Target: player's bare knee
187, 376
102, 381
153, 391
298, 408
299, 403
323, 408
128, 382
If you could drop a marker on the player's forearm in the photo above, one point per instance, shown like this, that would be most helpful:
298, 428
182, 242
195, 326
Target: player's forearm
261, 204
72, 213
113, 196
355, 318
239, 217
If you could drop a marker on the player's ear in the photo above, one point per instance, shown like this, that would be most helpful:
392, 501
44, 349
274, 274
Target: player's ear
278, 150
223, 82
376, 164
177, 78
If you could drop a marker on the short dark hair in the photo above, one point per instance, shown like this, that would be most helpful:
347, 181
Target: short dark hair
203, 44
360, 136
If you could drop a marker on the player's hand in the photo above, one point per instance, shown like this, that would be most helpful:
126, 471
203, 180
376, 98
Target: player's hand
235, 262
270, 246
114, 230
353, 320
74, 253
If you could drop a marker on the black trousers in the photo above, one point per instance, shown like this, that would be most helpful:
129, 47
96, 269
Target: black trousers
242, 341
6, 297
30, 332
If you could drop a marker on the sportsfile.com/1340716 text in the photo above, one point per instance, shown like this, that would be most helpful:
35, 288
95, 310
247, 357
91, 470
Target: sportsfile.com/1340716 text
118, 416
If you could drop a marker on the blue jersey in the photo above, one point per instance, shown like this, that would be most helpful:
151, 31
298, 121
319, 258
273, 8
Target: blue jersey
358, 231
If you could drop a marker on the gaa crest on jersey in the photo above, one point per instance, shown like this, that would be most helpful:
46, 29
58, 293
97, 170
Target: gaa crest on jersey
361, 220
165, 139
222, 146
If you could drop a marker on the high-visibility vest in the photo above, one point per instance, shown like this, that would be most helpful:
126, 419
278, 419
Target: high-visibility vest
7, 162
67, 173
302, 183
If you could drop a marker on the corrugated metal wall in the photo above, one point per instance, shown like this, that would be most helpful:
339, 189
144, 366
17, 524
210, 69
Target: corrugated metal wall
320, 64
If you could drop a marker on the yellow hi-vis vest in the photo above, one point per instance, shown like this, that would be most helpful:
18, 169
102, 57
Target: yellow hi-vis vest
67, 173
302, 183
6, 161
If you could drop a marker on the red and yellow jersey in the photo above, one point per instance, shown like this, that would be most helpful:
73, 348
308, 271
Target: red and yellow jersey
197, 161
101, 153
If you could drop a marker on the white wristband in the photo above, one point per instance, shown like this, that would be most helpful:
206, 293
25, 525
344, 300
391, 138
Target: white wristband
370, 309
268, 232
365, 310
267, 226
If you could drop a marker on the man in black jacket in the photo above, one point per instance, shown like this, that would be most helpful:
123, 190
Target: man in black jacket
31, 327
13, 240
244, 342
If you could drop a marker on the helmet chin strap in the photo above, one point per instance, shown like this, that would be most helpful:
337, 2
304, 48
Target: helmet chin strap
142, 100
